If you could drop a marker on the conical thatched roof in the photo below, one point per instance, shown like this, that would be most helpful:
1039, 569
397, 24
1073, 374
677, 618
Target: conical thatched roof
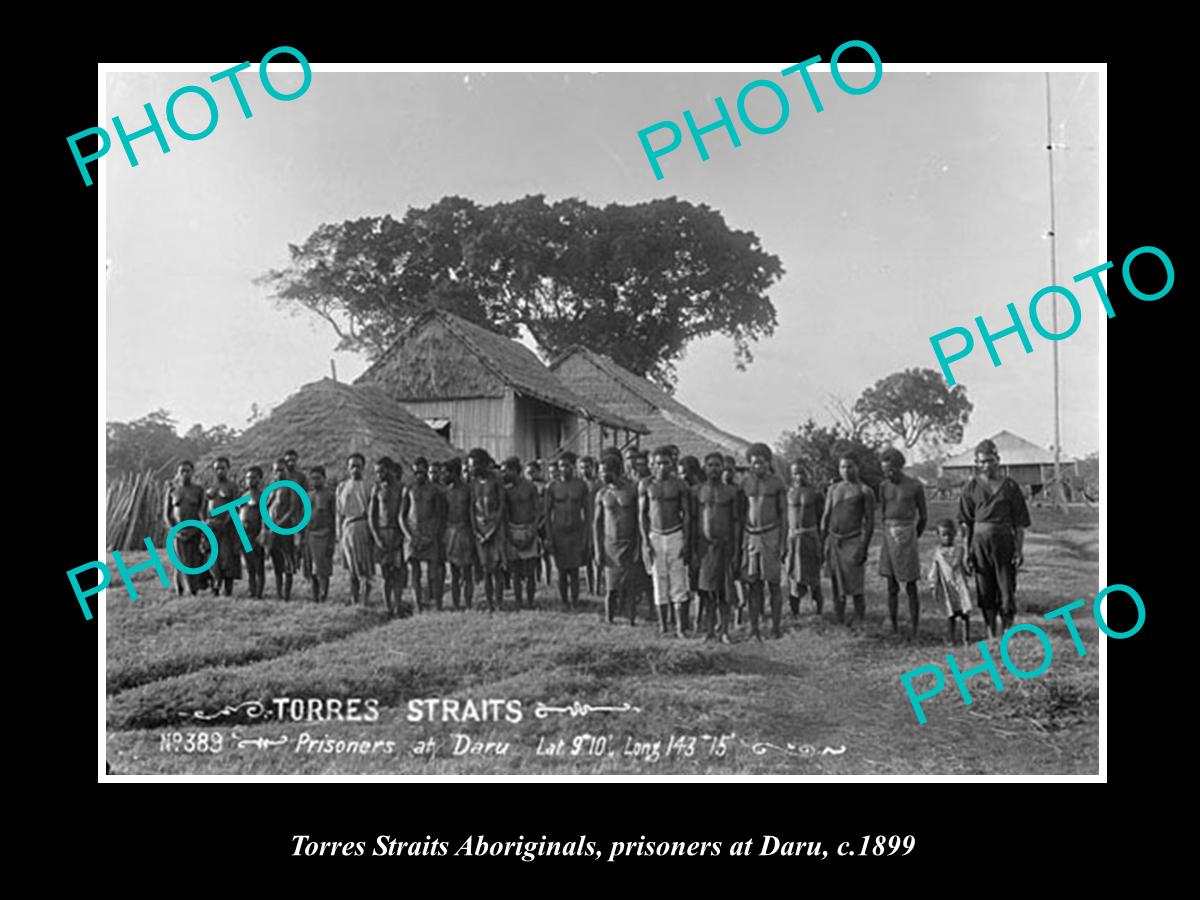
327, 420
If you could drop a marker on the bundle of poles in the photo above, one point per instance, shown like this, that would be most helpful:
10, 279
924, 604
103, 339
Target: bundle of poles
134, 511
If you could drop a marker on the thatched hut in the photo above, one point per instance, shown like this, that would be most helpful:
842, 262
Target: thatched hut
327, 420
480, 389
601, 380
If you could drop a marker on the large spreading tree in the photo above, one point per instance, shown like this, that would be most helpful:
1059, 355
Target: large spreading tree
636, 283
916, 406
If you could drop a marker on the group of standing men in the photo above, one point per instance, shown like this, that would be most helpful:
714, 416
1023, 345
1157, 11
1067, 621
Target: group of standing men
649, 525
482, 524
247, 539
735, 542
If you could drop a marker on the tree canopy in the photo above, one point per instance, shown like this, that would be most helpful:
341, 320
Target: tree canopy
819, 447
916, 406
635, 282
153, 443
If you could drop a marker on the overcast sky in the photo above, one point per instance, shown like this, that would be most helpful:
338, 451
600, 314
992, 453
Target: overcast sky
897, 214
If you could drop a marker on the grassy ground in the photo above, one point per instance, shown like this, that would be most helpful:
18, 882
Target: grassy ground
822, 700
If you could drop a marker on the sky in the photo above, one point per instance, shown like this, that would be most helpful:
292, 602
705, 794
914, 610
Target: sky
897, 214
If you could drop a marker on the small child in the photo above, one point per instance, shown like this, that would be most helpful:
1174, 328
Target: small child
947, 578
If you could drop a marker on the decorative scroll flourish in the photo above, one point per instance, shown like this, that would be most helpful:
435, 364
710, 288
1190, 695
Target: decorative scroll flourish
581, 709
254, 709
760, 748
261, 743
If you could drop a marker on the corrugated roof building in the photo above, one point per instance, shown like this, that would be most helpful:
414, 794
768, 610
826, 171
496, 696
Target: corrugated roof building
1021, 460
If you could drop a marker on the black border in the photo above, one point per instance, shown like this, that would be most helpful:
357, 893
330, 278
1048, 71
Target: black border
1146, 341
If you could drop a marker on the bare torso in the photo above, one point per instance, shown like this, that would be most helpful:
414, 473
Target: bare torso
763, 497
717, 507
805, 505
566, 503
521, 501
458, 504
619, 502
187, 502
665, 500
899, 501
849, 503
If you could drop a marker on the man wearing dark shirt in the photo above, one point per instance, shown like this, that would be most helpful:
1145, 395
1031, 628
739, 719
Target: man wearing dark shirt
993, 516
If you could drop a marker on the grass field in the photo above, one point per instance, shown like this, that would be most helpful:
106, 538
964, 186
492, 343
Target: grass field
822, 700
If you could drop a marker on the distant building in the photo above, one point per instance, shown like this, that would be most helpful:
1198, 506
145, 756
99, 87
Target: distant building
1024, 462
480, 389
601, 380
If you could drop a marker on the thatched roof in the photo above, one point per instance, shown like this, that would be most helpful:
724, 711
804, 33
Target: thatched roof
601, 380
327, 420
1014, 450
442, 356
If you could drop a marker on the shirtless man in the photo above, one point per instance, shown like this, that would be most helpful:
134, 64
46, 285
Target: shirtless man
641, 467
902, 512
639, 583
292, 459
736, 590
618, 550
568, 527
692, 473
805, 506
228, 567
848, 522
551, 476
383, 518
665, 508
487, 522
522, 512
252, 524
766, 537
285, 510
459, 540
320, 535
592, 478
718, 540
184, 500
533, 474
993, 515
423, 519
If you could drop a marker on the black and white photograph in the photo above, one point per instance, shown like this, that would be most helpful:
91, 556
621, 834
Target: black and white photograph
640, 421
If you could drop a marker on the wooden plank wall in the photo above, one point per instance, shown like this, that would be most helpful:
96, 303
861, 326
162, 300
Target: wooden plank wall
486, 422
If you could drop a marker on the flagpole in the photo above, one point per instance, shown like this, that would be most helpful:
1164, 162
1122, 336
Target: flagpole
1058, 492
